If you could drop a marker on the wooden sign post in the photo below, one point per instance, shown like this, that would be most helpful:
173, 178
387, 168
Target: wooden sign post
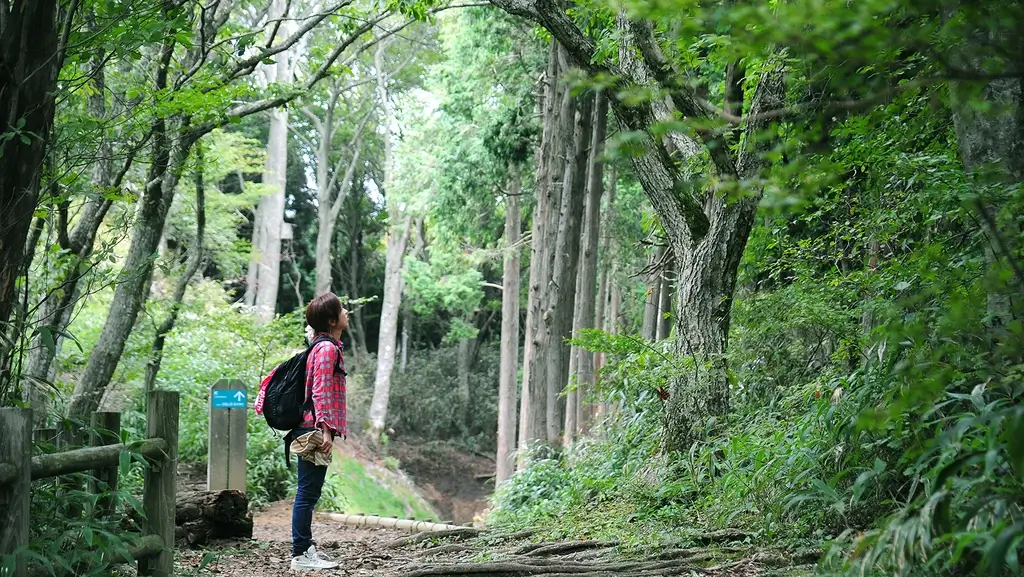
225, 465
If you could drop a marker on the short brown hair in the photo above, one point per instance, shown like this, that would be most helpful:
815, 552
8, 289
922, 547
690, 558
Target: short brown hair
322, 310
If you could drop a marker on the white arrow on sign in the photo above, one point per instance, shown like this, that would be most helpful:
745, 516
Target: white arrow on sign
239, 396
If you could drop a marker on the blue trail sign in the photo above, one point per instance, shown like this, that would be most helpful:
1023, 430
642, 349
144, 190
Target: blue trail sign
228, 399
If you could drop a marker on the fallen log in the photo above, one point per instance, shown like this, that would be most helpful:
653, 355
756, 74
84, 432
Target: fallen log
200, 516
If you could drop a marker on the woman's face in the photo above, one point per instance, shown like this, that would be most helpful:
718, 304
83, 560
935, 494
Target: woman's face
342, 322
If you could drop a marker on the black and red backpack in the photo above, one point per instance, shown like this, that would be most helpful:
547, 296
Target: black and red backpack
284, 400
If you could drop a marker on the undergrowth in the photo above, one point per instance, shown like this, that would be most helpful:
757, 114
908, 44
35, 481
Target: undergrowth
911, 463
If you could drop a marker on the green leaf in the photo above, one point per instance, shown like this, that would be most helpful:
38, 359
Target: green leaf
46, 336
1005, 544
124, 462
208, 558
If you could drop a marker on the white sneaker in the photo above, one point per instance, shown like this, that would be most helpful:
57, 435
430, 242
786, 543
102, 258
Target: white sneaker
312, 561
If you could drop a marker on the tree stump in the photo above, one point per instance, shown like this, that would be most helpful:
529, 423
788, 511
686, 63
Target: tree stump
204, 515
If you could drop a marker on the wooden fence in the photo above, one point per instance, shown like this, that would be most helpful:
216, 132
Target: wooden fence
154, 549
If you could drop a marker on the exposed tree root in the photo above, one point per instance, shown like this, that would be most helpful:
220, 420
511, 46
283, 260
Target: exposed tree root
694, 553
561, 548
460, 533
722, 536
551, 568
443, 549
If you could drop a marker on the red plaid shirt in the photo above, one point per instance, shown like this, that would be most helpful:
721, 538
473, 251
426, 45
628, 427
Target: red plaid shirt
326, 386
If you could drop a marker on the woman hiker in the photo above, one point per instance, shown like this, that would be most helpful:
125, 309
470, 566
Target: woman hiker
325, 385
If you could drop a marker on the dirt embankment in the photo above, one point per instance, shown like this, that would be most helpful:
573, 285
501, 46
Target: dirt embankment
457, 483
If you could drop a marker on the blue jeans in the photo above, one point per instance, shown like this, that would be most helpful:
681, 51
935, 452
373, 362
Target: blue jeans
311, 483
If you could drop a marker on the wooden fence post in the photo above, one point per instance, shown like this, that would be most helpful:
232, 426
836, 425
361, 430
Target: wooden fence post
16, 450
160, 483
106, 430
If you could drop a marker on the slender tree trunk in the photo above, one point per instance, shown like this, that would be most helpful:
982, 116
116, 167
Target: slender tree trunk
653, 294
532, 415
406, 324
604, 290
665, 295
265, 266
394, 283
464, 356
195, 260
571, 392
561, 303
867, 318
989, 126
588, 267
356, 325
325, 224
133, 285
270, 217
509, 331
55, 311
30, 60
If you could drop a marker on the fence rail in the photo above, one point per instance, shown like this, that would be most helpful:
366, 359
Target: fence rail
154, 549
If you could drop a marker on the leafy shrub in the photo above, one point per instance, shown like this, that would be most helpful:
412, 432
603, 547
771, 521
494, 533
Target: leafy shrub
425, 402
212, 340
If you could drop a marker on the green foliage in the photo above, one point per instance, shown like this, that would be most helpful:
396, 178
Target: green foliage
424, 397
67, 536
876, 405
212, 340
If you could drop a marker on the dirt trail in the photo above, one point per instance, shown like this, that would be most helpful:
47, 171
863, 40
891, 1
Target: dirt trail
369, 552
361, 551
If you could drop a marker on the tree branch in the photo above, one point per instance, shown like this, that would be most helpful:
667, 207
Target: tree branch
246, 66
346, 184
685, 100
355, 144
824, 106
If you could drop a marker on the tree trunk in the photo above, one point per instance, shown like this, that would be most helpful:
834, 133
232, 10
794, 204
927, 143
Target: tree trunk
653, 294
509, 331
463, 381
532, 412
30, 59
200, 516
705, 284
406, 324
588, 268
392, 302
265, 266
132, 289
270, 216
604, 290
195, 260
561, 301
356, 324
665, 295
57, 308
990, 132
571, 392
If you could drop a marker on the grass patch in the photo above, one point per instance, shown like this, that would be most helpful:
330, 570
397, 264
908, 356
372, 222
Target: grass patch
352, 488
